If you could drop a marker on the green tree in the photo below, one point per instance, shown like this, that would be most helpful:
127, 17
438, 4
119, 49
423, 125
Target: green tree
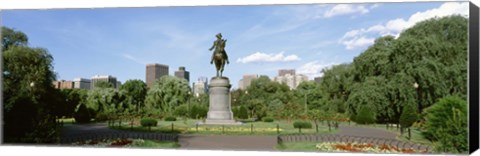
13, 38
408, 117
365, 116
446, 121
166, 93
242, 112
135, 92
103, 84
28, 94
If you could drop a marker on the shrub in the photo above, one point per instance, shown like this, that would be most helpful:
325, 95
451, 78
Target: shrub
181, 111
365, 116
267, 119
243, 112
408, 116
302, 124
147, 122
446, 123
170, 118
102, 117
198, 111
82, 114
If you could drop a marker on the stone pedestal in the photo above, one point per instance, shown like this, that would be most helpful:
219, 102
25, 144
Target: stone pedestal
219, 111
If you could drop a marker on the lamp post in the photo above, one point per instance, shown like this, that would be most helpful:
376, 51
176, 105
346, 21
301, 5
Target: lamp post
418, 96
306, 92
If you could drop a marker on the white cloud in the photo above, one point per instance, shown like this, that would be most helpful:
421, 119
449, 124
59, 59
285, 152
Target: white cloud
264, 57
344, 9
357, 38
314, 69
358, 42
130, 57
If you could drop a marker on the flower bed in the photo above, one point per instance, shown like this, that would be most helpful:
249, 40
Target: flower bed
110, 142
236, 129
363, 147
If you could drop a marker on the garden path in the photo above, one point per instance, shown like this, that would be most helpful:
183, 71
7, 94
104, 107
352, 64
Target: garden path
222, 142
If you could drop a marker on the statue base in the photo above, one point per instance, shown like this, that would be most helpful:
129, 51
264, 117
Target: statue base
219, 111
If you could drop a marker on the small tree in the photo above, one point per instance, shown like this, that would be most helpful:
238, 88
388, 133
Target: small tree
148, 122
243, 112
365, 116
446, 121
302, 124
408, 117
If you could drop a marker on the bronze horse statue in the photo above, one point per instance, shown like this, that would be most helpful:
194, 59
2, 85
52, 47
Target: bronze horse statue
219, 55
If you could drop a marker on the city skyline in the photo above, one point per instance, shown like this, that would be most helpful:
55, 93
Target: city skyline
261, 39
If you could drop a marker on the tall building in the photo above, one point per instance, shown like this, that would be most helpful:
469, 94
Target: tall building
283, 72
291, 80
246, 81
62, 84
182, 73
119, 84
107, 78
82, 83
154, 72
200, 87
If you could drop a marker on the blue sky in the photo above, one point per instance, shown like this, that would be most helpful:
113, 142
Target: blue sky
261, 39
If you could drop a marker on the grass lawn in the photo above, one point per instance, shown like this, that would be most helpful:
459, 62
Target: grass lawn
249, 128
66, 120
157, 144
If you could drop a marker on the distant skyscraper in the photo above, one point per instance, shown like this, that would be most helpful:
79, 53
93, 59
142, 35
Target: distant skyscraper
107, 78
283, 72
154, 72
246, 81
119, 84
63, 84
182, 73
290, 78
82, 83
200, 87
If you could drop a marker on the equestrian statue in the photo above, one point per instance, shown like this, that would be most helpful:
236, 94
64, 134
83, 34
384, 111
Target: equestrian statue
219, 55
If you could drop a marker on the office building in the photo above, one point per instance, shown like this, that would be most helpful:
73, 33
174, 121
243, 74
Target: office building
62, 84
154, 72
107, 78
246, 81
182, 73
283, 72
200, 87
291, 80
82, 83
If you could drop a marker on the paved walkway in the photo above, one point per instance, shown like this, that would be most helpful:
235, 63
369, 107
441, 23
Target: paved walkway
217, 142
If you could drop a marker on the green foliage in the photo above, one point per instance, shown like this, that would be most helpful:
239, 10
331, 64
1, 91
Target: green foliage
83, 114
167, 93
28, 94
242, 112
198, 111
409, 116
267, 119
181, 111
103, 84
446, 121
108, 101
365, 116
12, 38
170, 118
302, 124
148, 122
135, 92
370, 94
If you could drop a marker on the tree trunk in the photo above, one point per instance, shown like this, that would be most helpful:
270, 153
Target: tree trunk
409, 134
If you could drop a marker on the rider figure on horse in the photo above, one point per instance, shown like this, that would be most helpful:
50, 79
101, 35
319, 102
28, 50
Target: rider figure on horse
219, 55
